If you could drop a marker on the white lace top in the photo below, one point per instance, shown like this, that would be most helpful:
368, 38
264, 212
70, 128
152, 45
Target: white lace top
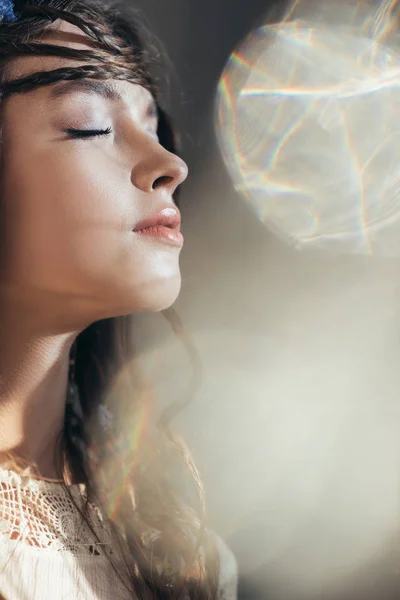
46, 552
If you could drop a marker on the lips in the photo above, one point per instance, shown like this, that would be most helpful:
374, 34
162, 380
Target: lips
163, 227
168, 217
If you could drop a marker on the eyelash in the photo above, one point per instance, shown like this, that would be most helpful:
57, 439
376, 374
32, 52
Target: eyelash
88, 133
91, 133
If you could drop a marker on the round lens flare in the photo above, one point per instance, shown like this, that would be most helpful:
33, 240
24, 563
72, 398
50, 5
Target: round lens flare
308, 122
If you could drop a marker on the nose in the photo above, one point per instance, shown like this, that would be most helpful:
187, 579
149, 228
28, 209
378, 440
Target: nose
160, 170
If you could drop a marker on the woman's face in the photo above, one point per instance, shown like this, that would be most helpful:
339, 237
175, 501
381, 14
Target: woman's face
70, 205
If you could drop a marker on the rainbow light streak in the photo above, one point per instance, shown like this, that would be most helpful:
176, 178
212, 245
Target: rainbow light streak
123, 453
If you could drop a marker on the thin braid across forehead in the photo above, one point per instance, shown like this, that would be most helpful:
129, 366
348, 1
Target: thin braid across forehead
116, 50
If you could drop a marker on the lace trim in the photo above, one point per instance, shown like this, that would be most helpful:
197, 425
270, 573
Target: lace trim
41, 514
17, 480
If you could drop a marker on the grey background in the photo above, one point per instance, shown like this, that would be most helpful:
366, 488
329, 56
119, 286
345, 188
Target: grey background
295, 429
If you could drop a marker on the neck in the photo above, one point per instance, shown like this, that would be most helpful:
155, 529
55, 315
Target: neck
33, 389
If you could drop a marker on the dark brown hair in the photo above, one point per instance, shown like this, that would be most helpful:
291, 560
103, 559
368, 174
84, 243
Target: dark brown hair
155, 506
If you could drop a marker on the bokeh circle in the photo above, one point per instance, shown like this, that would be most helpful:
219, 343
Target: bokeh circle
308, 122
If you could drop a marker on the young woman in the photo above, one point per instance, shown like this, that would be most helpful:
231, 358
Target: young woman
98, 499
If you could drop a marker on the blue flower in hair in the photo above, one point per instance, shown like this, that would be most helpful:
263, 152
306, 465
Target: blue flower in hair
7, 14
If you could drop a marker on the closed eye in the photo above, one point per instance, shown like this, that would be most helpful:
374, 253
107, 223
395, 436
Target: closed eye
88, 133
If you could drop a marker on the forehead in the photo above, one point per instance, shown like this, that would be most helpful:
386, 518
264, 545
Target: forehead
65, 34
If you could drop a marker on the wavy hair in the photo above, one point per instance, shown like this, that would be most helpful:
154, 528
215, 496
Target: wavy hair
153, 501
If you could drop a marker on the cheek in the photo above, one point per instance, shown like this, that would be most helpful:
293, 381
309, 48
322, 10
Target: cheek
67, 214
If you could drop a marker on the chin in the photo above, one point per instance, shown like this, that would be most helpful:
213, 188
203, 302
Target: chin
162, 296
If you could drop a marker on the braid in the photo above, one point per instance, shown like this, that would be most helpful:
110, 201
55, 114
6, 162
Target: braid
74, 424
28, 83
113, 57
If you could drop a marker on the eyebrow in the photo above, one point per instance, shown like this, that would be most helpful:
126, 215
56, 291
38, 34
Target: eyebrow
103, 89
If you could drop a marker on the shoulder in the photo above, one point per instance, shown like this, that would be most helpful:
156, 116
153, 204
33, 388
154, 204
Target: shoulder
228, 571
